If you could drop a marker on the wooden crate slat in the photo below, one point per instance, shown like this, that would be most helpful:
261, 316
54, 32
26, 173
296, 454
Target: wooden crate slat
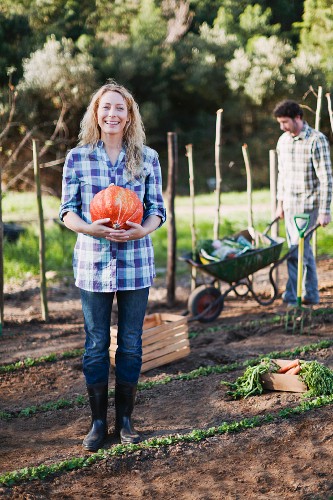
169, 326
164, 339
152, 320
168, 358
171, 317
153, 339
165, 342
170, 334
161, 352
152, 326
165, 350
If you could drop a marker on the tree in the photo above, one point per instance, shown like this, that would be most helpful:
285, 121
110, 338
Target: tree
59, 70
316, 33
15, 42
55, 87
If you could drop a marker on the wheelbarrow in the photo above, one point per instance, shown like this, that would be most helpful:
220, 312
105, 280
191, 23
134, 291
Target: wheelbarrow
206, 302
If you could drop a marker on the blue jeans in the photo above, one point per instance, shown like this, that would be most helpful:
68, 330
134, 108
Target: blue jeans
97, 307
310, 279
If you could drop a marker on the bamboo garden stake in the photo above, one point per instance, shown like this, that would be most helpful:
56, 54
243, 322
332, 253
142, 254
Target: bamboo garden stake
1, 261
273, 192
317, 126
189, 154
42, 264
218, 170
248, 185
329, 105
171, 193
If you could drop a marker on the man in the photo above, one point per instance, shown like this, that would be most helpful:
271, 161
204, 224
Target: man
304, 186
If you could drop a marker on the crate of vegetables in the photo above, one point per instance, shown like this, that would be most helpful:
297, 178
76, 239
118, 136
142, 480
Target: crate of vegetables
309, 377
164, 339
286, 378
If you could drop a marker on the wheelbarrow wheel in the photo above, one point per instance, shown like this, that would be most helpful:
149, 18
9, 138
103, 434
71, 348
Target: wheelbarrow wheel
203, 298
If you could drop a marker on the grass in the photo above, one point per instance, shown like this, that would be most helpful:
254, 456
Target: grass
21, 258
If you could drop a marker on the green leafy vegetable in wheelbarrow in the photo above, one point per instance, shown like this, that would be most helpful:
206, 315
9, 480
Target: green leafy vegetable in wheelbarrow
249, 384
216, 250
317, 377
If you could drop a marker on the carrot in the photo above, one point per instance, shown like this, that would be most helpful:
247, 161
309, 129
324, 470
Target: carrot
292, 364
294, 371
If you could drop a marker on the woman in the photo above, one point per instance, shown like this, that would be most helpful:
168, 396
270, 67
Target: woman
112, 261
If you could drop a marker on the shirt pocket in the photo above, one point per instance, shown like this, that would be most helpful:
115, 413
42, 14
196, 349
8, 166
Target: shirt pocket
137, 185
94, 184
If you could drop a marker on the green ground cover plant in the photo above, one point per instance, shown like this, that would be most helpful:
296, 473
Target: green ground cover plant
196, 435
202, 371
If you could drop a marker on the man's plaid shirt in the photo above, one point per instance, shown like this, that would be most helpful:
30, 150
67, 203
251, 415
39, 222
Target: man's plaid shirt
305, 172
100, 265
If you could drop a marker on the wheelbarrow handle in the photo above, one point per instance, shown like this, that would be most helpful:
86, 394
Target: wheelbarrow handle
270, 225
302, 230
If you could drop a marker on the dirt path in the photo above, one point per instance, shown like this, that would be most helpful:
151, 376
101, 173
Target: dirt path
284, 458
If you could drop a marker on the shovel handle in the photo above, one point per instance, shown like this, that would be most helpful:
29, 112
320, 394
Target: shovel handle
302, 230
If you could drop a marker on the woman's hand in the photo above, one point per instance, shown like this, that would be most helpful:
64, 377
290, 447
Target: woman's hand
135, 232
98, 229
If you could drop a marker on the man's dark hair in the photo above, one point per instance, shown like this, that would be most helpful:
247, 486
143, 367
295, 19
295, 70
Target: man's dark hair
288, 108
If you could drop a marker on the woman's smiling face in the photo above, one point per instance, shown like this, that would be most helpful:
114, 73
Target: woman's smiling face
112, 114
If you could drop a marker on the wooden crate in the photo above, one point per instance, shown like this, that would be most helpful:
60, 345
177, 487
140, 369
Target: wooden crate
282, 381
164, 339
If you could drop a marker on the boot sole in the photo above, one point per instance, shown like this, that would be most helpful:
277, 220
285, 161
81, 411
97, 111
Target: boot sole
135, 440
94, 447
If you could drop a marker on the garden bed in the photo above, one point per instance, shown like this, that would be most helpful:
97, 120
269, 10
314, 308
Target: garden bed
200, 442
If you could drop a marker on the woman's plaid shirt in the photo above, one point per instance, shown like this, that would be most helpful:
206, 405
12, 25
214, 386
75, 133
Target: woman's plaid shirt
305, 172
100, 265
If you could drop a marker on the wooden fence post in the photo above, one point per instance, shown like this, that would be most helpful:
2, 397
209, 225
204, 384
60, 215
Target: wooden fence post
218, 171
329, 107
1, 261
189, 155
273, 192
171, 193
42, 266
317, 126
248, 184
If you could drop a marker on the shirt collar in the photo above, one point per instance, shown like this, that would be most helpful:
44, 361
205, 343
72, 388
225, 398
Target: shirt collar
100, 146
303, 133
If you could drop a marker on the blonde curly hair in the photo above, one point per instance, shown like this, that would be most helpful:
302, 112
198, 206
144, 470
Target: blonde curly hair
134, 134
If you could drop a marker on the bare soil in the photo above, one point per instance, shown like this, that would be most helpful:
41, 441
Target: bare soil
290, 458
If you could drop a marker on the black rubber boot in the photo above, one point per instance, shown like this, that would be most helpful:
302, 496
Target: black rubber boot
98, 399
124, 401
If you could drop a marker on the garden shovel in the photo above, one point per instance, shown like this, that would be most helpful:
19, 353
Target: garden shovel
298, 311
301, 232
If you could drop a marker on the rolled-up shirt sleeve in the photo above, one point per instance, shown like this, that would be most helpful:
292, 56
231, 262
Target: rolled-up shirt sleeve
153, 198
323, 168
71, 194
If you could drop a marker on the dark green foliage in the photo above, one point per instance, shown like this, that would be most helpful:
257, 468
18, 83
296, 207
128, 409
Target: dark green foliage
15, 43
178, 82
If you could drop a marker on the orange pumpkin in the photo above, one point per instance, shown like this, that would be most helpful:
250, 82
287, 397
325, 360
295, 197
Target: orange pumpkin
119, 204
